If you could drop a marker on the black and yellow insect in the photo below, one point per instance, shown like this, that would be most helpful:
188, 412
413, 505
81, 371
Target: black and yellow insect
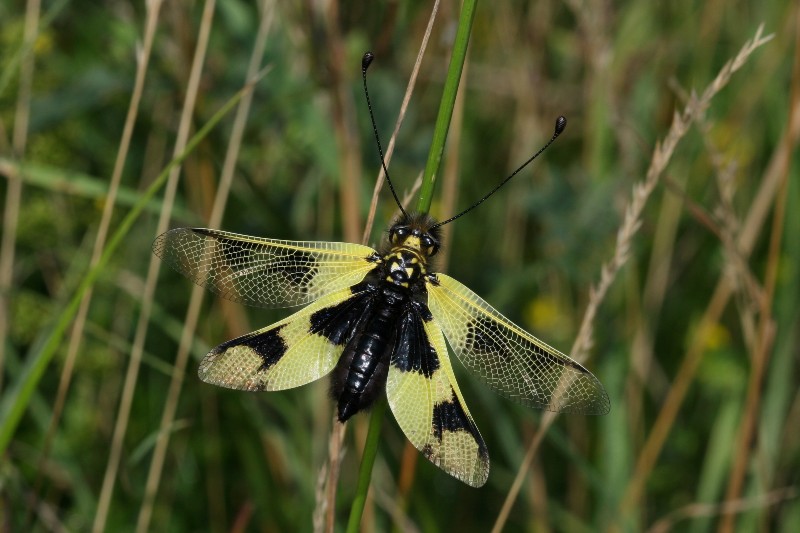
377, 321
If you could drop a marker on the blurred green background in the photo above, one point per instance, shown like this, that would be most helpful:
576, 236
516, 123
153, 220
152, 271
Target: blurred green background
704, 386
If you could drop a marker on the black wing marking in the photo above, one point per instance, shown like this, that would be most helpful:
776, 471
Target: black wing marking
427, 403
295, 351
511, 361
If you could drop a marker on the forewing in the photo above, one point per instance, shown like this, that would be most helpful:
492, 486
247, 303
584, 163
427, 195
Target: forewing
427, 403
295, 351
511, 361
263, 272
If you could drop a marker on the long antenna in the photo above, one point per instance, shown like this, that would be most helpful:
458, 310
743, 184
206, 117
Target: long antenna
365, 62
561, 124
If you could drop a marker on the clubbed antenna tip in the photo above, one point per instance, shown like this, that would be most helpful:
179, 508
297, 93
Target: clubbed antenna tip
561, 121
561, 124
367, 60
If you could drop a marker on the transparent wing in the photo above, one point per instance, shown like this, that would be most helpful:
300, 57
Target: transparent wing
287, 354
427, 403
263, 272
511, 361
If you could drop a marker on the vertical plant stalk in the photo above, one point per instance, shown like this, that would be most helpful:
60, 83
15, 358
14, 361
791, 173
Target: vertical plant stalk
121, 423
447, 104
196, 299
156, 463
327, 503
423, 205
326, 500
367, 461
14, 191
412, 82
680, 385
766, 334
76, 335
344, 125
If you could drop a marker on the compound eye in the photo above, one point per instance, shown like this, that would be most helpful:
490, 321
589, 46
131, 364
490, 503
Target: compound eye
397, 234
430, 245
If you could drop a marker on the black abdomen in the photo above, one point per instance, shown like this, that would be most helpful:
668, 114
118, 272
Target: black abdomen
360, 374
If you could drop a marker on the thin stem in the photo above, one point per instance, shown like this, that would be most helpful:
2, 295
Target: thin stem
367, 460
184, 126
76, 336
14, 195
447, 104
423, 205
766, 334
412, 82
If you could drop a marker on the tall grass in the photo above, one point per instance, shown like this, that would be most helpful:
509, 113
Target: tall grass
695, 335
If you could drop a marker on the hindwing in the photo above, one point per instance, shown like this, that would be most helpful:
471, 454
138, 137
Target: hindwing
297, 350
263, 272
423, 394
507, 358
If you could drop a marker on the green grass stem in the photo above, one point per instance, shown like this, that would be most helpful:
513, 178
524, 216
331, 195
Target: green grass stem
367, 461
446, 107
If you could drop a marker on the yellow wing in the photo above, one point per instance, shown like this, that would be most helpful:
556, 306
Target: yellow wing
511, 361
263, 272
297, 350
427, 403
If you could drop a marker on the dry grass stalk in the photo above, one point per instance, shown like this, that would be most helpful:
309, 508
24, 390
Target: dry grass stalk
318, 517
694, 109
761, 205
396, 510
156, 464
765, 336
14, 190
76, 334
344, 122
412, 82
662, 153
218, 209
323, 518
749, 290
326, 499
730, 507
